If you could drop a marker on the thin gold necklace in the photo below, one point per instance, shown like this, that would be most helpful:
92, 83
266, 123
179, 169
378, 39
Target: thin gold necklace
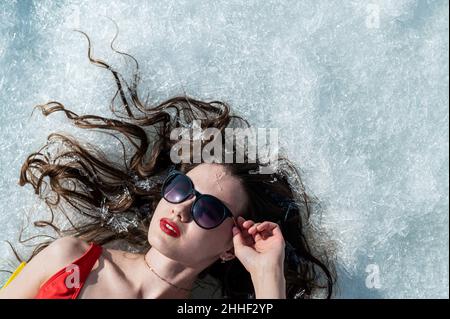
148, 265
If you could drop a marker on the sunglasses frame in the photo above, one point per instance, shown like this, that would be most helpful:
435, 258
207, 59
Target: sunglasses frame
198, 195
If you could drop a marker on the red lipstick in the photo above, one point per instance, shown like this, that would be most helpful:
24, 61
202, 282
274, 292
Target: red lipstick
169, 227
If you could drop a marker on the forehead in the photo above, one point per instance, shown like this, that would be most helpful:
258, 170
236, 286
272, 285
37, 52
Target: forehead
214, 179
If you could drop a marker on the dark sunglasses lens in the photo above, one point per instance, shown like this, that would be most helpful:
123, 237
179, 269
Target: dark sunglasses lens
177, 189
208, 212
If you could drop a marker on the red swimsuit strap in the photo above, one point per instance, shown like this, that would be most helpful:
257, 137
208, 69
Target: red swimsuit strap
68, 282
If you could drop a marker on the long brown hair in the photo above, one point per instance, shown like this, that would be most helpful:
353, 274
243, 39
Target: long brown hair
116, 200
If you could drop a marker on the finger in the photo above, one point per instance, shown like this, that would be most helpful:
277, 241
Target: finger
269, 232
240, 220
259, 227
277, 231
239, 243
263, 235
246, 238
266, 226
238, 239
252, 230
266, 234
248, 223
268, 229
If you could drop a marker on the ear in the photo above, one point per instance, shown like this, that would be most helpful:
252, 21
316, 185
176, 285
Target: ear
227, 255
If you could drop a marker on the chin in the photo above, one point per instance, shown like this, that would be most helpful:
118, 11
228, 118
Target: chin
157, 241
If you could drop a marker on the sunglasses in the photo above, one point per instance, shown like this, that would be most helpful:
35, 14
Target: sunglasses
207, 211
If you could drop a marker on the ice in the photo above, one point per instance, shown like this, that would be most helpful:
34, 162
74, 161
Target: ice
358, 90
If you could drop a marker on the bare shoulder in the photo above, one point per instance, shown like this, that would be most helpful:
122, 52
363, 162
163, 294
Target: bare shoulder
65, 250
52, 258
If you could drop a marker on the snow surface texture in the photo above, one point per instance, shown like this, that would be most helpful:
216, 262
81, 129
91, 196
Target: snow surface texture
358, 89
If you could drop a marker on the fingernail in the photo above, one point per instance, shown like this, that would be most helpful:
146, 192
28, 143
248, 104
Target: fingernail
235, 230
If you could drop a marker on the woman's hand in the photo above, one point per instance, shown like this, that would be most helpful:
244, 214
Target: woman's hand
259, 246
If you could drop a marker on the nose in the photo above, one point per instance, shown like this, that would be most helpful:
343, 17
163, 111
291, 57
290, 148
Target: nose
183, 210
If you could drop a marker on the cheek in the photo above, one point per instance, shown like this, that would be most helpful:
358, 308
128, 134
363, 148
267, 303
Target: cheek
206, 242
220, 237
161, 211
157, 215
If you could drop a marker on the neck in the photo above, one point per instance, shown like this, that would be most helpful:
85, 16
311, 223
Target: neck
172, 271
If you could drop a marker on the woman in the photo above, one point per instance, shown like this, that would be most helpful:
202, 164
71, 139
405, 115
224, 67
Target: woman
181, 221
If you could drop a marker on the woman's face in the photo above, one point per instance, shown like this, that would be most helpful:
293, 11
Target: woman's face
198, 247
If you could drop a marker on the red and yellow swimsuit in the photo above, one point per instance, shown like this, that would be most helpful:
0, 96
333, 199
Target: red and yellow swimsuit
59, 285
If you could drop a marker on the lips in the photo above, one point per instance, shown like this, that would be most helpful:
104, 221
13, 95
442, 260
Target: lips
169, 227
